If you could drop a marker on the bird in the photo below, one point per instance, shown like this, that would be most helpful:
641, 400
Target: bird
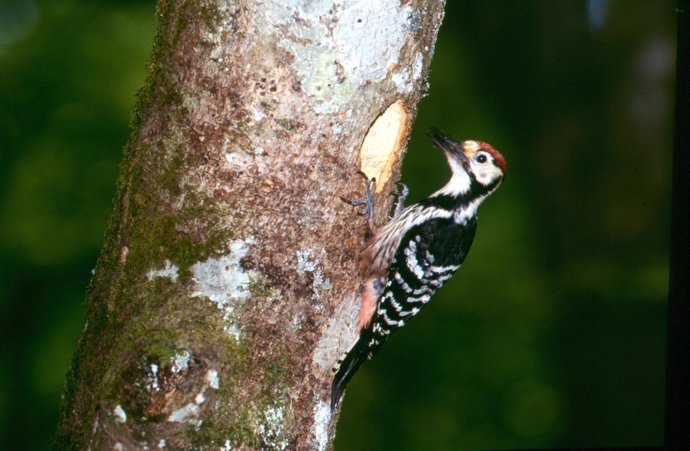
406, 260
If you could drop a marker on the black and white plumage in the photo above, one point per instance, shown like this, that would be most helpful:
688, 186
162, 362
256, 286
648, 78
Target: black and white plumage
409, 258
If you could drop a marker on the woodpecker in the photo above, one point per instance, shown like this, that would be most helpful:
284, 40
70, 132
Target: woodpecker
406, 260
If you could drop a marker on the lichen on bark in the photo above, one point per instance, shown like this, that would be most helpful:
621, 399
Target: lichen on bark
228, 282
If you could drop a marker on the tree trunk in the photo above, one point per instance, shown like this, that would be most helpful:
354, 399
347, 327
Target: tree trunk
228, 284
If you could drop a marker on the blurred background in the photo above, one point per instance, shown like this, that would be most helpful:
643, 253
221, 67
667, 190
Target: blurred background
553, 332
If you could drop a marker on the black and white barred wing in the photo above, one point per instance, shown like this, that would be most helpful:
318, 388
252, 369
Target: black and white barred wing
421, 265
380, 251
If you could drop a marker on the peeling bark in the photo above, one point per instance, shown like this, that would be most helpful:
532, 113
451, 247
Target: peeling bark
228, 283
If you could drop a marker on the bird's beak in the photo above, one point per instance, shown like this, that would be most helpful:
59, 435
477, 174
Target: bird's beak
450, 148
456, 152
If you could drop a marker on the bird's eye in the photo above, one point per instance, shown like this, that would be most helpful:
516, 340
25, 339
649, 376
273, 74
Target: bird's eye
481, 158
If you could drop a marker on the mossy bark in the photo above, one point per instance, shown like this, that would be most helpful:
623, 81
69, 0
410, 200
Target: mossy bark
228, 282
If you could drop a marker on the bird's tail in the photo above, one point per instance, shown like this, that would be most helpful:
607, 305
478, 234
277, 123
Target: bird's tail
347, 367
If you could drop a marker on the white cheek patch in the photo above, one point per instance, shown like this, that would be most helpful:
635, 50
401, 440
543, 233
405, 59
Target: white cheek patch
483, 177
486, 175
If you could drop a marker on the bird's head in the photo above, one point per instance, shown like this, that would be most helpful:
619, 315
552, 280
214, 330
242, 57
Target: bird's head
476, 166
486, 163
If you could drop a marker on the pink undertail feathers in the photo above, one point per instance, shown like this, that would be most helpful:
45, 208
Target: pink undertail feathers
349, 365
369, 299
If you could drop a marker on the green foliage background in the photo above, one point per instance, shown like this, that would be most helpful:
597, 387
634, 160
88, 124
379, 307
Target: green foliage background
553, 332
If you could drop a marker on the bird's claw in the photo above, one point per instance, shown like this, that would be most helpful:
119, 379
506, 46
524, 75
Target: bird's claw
367, 200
